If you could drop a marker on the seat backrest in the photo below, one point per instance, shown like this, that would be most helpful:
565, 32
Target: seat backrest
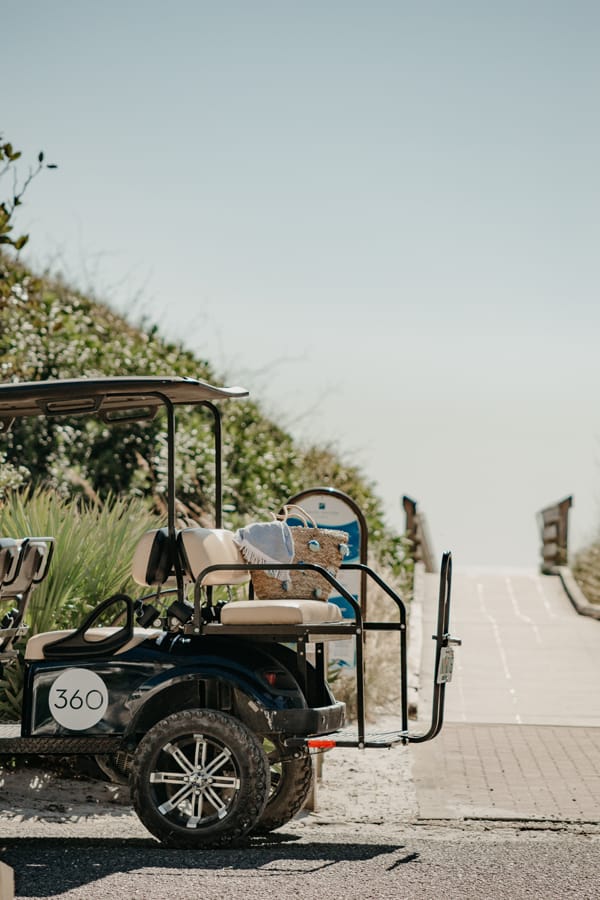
10, 555
153, 562
30, 568
23, 564
203, 547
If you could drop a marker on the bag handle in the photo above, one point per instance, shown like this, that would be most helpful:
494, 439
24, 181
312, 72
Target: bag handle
292, 509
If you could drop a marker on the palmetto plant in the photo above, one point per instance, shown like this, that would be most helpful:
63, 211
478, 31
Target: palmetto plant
94, 544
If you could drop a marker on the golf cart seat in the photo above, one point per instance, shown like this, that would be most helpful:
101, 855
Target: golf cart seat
23, 564
153, 563
10, 555
39, 644
152, 566
280, 612
202, 548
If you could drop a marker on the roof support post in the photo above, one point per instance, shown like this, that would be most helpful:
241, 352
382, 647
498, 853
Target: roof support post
218, 464
171, 498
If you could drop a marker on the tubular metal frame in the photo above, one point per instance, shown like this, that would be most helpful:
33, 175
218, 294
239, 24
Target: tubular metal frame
356, 628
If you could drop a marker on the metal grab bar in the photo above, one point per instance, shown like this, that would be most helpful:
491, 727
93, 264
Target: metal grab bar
443, 650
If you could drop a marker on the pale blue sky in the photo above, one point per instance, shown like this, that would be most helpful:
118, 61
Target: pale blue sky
382, 218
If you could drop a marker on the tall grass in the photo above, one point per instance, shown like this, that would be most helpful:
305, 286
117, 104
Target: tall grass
94, 544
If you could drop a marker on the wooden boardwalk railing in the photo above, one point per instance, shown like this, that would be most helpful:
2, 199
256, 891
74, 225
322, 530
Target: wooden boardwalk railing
418, 533
554, 530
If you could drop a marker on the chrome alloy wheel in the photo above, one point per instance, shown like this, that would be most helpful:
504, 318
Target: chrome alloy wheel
199, 778
195, 780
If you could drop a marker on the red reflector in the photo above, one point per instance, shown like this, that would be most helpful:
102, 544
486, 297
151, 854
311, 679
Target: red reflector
271, 678
321, 745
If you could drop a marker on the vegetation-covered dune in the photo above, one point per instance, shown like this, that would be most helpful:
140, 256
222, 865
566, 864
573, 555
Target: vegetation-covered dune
48, 330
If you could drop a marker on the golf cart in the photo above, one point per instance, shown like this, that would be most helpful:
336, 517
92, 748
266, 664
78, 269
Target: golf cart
211, 714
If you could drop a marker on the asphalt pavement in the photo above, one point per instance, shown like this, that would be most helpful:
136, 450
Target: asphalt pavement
342, 863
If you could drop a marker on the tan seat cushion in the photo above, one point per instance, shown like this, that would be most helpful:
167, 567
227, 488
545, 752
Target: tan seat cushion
152, 563
280, 612
204, 547
35, 645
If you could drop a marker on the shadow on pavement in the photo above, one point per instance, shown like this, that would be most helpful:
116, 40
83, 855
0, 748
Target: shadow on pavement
48, 867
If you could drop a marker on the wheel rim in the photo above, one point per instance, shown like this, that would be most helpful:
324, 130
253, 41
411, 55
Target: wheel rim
195, 781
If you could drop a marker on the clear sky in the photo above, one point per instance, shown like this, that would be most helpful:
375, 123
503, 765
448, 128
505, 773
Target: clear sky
382, 218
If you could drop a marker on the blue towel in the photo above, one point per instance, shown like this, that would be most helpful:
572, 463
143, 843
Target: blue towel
266, 542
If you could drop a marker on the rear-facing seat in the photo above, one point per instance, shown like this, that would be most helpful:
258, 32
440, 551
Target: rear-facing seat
204, 547
153, 563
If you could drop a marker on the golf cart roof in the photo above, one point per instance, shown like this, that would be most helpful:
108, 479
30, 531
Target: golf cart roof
105, 397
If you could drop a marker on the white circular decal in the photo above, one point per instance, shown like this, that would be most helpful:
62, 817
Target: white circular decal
78, 699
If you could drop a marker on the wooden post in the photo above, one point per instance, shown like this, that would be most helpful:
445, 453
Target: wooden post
553, 523
418, 533
311, 803
7, 882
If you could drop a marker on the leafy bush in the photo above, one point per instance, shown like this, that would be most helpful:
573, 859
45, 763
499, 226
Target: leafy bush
11, 477
63, 334
586, 569
48, 330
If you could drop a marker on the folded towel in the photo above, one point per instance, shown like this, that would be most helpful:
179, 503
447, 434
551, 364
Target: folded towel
266, 542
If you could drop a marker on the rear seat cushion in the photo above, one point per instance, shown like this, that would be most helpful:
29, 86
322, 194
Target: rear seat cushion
280, 612
153, 563
35, 645
203, 547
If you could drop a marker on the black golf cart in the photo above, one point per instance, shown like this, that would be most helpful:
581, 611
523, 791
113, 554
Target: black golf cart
211, 718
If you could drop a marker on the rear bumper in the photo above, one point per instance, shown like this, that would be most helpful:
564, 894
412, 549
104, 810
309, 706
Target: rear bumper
302, 723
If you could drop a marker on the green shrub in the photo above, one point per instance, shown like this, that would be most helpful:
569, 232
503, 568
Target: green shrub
63, 334
586, 569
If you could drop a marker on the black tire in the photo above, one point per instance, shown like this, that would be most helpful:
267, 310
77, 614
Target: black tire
199, 779
291, 782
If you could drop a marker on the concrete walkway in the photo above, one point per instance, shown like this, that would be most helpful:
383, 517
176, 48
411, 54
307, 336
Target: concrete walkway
522, 732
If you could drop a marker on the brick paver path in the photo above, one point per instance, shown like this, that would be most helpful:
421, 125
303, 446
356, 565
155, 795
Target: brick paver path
510, 772
522, 732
